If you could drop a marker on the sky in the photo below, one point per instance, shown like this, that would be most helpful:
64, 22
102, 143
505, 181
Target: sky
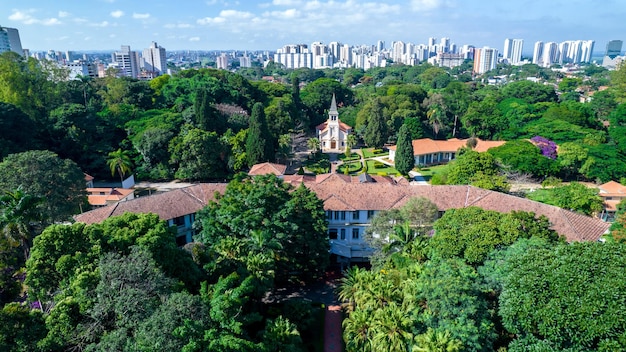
83, 25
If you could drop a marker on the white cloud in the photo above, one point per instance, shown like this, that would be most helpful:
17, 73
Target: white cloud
236, 14
23, 16
50, 22
100, 24
211, 20
26, 17
141, 16
285, 2
287, 14
194, 39
425, 5
63, 14
112, 35
117, 13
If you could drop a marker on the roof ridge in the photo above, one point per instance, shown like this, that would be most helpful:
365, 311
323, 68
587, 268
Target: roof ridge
184, 190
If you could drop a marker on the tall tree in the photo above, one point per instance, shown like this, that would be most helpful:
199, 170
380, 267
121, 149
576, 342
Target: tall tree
120, 161
376, 131
19, 218
59, 182
404, 159
259, 143
549, 295
207, 116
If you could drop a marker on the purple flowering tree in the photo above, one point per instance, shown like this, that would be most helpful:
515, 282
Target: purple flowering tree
547, 147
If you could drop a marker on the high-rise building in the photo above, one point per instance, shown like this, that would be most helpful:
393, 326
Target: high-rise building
613, 49
10, 40
127, 62
587, 50
380, 46
222, 61
485, 59
538, 53
550, 54
508, 48
513, 50
155, 60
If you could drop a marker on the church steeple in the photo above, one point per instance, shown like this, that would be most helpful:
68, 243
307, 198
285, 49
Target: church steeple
333, 105
333, 114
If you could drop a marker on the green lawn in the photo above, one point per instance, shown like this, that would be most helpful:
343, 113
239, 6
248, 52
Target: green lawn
542, 195
371, 169
429, 171
369, 153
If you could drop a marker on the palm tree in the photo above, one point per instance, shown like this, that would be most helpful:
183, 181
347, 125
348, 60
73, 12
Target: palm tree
18, 218
120, 161
357, 331
439, 341
391, 327
313, 144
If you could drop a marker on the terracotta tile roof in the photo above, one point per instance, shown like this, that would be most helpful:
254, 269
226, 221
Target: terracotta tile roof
342, 126
339, 193
267, 168
88, 177
432, 146
167, 205
102, 196
612, 188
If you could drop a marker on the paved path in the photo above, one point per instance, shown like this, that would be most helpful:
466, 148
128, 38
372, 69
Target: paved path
333, 341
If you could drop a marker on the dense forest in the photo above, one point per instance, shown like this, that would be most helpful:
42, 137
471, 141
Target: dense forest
485, 281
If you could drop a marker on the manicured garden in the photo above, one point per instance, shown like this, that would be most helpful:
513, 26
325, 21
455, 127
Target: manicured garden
375, 167
371, 152
351, 167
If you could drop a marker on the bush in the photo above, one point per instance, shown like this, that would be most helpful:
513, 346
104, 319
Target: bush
439, 179
379, 165
382, 174
551, 182
378, 151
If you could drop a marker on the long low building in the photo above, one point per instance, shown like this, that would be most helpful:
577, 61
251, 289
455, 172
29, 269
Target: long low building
350, 202
428, 151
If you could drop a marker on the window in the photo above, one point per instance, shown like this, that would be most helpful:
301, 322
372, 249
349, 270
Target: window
329, 215
336, 215
355, 234
370, 213
356, 214
332, 234
342, 215
343, 234
179, 221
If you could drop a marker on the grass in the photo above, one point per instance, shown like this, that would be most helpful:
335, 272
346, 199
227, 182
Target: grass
541, 195
429, 171
352, 167
369, 153
371, 169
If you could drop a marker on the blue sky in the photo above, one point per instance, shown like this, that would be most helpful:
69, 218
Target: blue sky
270, 24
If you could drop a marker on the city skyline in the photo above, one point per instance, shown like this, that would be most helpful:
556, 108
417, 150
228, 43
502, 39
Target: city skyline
248, 25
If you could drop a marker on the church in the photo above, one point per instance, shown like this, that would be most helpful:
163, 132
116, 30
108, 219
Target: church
333, 134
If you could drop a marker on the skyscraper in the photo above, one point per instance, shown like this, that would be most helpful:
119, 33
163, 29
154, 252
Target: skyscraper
538, 53
10, 40
485, 59
127, 62
613, 48
155, 60
550, 54
508, 46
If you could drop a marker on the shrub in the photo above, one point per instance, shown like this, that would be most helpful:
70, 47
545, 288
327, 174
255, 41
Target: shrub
382, 174
551, 182
379, 165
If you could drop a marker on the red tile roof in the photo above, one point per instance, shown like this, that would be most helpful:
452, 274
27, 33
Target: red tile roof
431, 146
339, 193
342, 126
267, 168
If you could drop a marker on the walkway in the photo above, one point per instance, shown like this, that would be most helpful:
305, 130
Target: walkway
333, 341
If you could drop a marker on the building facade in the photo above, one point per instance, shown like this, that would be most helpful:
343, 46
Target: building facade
154, 60
10, 40
126, 62
333, 134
